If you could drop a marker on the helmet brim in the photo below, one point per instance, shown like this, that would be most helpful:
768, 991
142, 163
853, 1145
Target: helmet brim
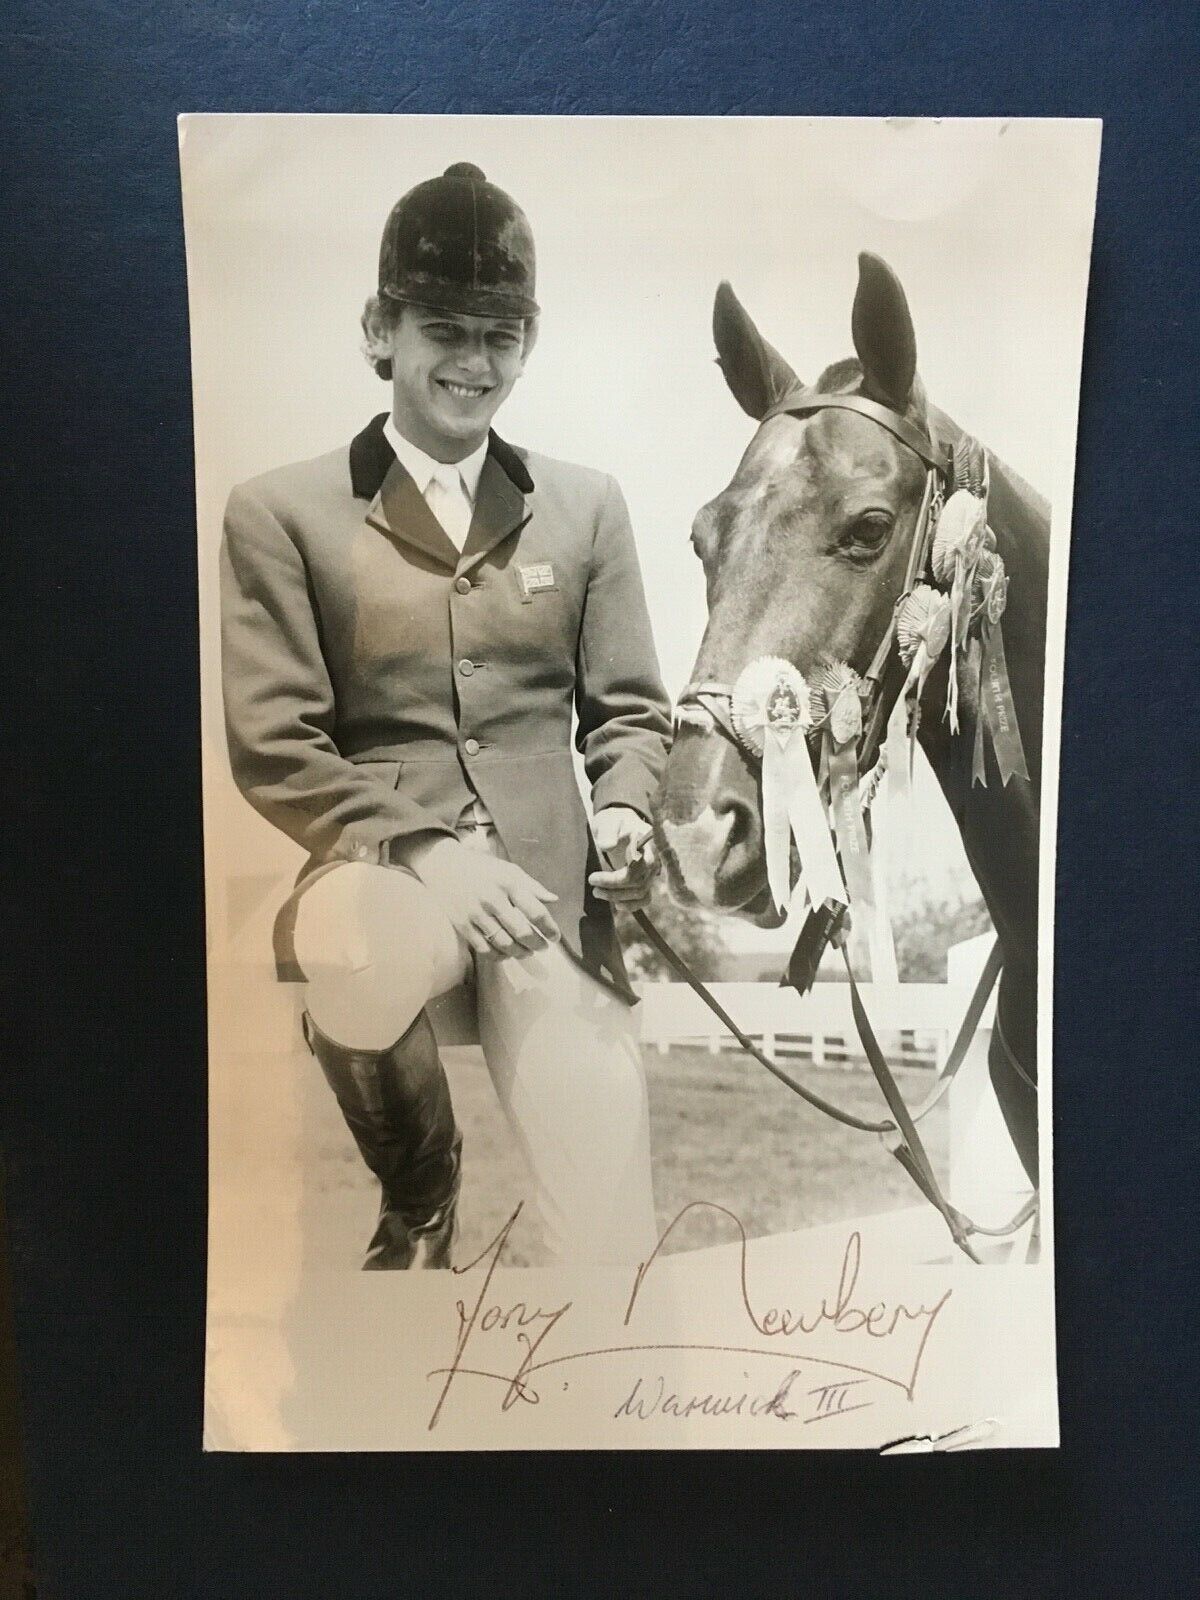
461, 299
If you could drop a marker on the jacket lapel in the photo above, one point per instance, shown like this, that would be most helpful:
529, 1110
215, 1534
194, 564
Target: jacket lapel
500, 507
398, 508
406, 515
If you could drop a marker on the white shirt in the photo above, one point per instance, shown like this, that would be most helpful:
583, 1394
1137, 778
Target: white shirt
449, 488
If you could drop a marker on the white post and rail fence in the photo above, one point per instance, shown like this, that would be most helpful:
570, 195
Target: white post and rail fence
916, 1024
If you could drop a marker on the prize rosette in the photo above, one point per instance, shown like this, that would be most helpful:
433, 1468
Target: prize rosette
958, 540
970, 465
772, 713
770, 693
922, 632
839, 694
958, 546
991, 587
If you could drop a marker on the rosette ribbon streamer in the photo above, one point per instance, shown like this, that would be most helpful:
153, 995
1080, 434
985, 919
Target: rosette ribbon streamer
884, 968
989, 668
772, 713
838, 698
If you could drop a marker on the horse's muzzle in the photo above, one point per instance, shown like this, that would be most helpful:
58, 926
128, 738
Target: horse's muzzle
708, 825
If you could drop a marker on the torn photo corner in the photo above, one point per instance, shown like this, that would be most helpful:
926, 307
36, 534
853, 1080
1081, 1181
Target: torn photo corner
620, 540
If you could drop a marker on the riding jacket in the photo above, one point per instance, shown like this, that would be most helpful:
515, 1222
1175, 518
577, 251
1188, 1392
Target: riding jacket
376, 679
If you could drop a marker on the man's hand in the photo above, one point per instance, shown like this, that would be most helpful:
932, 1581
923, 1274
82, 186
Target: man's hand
625, 839
497, 908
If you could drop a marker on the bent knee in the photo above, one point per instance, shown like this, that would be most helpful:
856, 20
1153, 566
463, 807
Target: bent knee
376, 929
367, 1008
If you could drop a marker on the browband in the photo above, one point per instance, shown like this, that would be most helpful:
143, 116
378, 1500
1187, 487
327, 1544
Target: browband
800, 400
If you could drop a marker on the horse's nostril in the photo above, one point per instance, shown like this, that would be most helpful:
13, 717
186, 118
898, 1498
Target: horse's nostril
741, 825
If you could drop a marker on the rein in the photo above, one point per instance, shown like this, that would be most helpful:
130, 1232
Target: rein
908, 1148
946, 471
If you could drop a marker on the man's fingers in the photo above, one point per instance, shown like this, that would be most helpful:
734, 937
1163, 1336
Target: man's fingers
630, 885
521, 879
627, 849
476, 940
634, 876
608, 879
496, 939
517, 929
635, 898
530, 906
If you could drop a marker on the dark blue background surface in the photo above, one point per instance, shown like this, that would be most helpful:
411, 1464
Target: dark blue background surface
104, 1093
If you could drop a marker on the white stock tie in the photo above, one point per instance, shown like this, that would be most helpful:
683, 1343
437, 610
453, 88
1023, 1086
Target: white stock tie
446, 497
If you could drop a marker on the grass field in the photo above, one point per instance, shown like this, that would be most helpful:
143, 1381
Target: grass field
721, 1128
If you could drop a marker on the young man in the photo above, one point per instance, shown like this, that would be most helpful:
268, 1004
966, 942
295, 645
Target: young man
408, 628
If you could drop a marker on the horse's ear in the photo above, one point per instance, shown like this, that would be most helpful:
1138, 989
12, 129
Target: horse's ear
755, 372
883, 333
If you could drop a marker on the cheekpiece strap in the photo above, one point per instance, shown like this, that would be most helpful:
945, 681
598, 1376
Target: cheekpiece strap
801, 400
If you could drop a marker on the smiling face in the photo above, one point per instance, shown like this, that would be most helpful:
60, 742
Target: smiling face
450, 373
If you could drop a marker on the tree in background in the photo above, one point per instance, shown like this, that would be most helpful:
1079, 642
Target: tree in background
926, 928
692, 933
926, 922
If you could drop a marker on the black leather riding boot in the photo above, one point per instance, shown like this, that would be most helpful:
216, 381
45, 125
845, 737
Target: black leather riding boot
396, 1103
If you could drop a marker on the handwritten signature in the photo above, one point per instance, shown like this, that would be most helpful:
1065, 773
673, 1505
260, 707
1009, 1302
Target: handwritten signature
824, 1400
839, 1312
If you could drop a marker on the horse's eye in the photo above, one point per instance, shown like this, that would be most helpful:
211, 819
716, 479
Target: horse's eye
869, 531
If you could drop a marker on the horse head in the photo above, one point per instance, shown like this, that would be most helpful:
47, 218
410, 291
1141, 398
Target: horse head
804, 555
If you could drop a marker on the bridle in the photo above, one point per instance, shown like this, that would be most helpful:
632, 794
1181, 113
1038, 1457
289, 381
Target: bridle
714, 701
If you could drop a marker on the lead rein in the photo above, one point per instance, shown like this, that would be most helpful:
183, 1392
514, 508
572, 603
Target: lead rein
909, 1150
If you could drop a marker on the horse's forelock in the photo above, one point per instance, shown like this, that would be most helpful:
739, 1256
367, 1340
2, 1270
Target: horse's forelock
846, 377
843, 377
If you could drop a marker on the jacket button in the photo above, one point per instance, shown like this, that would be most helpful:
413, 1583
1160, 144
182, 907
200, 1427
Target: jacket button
466, 668
463, 585
471, 746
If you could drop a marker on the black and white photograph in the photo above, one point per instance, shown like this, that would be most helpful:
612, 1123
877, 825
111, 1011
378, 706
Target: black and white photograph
633, 560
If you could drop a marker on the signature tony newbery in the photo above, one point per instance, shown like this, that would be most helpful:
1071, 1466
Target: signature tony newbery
507, 1344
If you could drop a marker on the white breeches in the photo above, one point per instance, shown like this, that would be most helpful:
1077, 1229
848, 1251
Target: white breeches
562, 1051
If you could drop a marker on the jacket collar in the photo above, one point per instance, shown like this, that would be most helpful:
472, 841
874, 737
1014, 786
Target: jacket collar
398, 507
370, 457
